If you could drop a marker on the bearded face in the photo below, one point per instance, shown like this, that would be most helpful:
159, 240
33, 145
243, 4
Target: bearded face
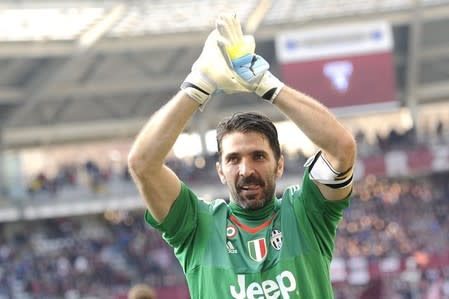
249, 169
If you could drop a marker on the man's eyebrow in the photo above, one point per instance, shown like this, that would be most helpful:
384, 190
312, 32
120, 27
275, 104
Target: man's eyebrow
255, 152
260, 152
230, 155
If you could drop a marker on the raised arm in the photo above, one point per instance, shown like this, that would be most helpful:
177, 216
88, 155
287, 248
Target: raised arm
315, 120
157, 184
323, 129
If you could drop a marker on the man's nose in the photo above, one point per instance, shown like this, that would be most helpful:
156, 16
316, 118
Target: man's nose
246, 168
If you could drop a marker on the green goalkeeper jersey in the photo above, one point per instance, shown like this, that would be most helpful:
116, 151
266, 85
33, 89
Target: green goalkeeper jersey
280, 251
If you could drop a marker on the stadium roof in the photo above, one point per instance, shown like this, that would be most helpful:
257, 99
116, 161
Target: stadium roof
77, 70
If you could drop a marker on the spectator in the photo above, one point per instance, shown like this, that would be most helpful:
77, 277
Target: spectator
141, 291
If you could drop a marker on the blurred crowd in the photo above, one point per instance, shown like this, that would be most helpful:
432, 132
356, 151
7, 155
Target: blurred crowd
402, 140
99, 256
96, 256
98, 179
398, 218
95, 177
89, 175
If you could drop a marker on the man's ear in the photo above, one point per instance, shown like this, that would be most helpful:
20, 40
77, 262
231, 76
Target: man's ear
280, 167
220, 172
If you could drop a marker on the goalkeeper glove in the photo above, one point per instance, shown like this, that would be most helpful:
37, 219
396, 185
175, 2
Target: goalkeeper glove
252, 69
211, 73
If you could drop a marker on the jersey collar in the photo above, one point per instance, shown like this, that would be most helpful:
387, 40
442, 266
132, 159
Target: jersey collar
258, 214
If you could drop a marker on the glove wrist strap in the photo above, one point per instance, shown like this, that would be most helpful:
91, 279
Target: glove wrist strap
198, 87
269, 87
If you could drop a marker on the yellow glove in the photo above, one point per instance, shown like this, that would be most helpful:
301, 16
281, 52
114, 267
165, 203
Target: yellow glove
237, 45
211, 73
251, 69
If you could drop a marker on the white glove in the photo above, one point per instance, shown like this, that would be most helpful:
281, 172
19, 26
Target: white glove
252, 69
211, 73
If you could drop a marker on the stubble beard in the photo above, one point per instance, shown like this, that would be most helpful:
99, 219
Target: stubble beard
251, 202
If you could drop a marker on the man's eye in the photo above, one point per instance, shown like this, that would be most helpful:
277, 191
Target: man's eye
259, 157
233, 159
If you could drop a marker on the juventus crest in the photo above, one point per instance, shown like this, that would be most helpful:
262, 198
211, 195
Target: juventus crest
276, 239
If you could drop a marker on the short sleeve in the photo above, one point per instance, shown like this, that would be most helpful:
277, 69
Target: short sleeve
322, 215
181, 220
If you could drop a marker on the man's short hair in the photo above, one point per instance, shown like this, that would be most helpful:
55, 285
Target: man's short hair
249, 122
141, 291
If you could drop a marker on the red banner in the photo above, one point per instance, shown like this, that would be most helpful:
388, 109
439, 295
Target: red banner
344, 66
344, 81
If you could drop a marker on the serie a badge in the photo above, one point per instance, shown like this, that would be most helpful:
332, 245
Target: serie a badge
231, 231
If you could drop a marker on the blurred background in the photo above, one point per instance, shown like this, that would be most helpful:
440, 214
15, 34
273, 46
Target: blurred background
79, 78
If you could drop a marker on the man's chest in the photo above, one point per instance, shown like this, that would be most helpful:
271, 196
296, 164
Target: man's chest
253, 247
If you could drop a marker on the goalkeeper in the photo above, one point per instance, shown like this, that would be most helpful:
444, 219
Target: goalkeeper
257, 245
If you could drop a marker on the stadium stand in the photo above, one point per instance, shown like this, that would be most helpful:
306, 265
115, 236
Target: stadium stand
390, 221
150, 17
41, 23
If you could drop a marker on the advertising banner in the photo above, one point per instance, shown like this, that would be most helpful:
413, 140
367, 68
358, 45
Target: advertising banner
343, 66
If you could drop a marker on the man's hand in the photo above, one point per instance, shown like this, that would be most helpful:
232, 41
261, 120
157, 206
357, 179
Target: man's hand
252, 69
211, 73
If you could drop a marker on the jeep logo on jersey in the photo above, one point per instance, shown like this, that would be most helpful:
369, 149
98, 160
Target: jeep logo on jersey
280, 287
257, 249
276, 239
